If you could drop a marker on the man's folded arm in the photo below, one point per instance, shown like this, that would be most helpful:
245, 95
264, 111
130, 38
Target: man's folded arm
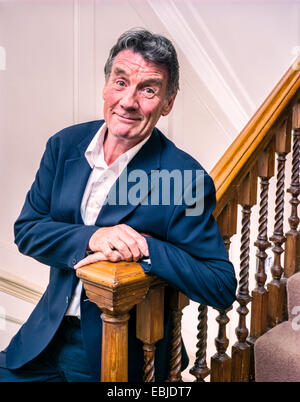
37, 234
193, 257
210, 282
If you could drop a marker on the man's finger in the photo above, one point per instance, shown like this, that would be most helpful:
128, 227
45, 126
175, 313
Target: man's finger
138, 238
90, 259
131, 244
107, 248
117, 244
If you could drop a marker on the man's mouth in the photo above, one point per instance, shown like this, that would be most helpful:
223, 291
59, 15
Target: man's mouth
127, 118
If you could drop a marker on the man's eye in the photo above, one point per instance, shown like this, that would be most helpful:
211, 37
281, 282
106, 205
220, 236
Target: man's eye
149, 92
120, 83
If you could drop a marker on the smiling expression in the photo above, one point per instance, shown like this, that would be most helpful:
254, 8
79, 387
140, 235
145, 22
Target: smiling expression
135, 97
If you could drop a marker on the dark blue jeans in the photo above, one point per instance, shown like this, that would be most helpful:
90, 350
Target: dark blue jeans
64, 359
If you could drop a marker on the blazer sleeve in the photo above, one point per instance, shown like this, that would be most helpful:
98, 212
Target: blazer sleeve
193, 258
37, 234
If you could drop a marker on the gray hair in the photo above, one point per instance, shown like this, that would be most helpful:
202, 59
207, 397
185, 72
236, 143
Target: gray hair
153, 47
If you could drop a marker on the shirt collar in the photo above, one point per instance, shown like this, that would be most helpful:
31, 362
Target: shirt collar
95, 153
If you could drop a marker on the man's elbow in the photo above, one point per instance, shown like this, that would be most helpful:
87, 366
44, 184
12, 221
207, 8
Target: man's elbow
228, 292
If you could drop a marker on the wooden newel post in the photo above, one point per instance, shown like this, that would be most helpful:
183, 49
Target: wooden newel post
114, 364
115, 288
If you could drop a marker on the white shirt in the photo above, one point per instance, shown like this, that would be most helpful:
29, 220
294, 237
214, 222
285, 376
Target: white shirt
98, 186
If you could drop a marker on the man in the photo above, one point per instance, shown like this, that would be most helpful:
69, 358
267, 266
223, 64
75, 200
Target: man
75, 214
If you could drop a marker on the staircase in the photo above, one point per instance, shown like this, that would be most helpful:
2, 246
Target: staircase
266, 347
277, 352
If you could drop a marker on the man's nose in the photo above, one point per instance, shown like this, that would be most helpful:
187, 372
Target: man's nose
129, 99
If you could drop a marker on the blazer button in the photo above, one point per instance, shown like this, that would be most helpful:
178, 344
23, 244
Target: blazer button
74, 261
67, 300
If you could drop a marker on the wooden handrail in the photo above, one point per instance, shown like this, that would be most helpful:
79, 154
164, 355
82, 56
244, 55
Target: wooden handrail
243, 152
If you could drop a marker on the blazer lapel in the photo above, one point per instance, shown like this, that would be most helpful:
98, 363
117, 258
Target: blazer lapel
146, 160
76, 174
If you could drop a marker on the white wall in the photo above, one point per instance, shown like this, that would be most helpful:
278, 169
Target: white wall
52, 54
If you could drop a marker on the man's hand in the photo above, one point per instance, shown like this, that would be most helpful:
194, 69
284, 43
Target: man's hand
116, 243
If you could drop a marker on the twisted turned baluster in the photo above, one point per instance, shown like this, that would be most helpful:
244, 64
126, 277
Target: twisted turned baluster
295, 185
241, 349
175, 360
259, 305
262, 242
200, 369
149, 368
259, 294
177, 302
276, 288
292, 246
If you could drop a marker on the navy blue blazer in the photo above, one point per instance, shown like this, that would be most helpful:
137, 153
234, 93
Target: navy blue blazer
186, 251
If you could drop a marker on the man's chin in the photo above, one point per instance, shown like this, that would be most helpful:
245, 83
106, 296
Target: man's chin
124, 131
122, 134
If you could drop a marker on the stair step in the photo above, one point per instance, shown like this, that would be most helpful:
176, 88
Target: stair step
277, 352
277, 355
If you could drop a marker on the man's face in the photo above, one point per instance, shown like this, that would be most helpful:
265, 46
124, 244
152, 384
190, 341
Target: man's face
135, 97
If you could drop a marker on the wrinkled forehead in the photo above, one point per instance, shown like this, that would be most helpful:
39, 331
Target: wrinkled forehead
133, 63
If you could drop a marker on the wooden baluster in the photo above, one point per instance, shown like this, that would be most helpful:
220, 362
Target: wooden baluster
259, 294
150, 327
292, 245
177, 303
221, 362
200, 369
241, 349
276, 288
259, 307
115, 288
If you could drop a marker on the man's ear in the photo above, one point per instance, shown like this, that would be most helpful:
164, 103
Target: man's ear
168, 105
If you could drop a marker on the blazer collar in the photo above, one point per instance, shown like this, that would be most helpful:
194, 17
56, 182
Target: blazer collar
82, 145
